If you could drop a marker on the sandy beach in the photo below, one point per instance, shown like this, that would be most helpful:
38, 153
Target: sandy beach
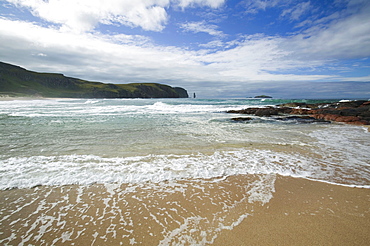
305, 212
300, 212
9, 98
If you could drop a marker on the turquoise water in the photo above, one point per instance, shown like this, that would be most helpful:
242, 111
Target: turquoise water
85, 141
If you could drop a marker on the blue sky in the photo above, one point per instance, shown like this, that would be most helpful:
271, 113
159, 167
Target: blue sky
216, 48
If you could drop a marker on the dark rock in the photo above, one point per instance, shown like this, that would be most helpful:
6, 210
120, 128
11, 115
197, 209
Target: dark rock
292, 105
268, 111
302, 119
353, 112
351, 104
300, 111
241, 119
262, 96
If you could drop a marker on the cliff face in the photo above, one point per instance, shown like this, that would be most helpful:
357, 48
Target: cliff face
18, 81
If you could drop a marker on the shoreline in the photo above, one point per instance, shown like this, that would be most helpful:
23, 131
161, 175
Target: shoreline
148, 172
238, 210
9, 98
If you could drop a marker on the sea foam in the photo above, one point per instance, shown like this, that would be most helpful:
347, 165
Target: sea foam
25, 172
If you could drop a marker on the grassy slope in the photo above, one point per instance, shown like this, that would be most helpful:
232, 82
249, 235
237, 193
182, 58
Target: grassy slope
16, 81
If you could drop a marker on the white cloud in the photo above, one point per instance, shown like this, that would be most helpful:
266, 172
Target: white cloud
259, 58
92, 56
213, 44
118, 59
254, 6
84, 15
346, 38
297, 11
192, 3
202, 26
292, 9
125, 58
359, 79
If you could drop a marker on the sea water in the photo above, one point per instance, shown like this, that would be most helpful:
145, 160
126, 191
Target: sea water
84, 141
123, 146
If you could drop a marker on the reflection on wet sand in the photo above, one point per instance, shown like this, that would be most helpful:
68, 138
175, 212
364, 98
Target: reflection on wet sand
239, 210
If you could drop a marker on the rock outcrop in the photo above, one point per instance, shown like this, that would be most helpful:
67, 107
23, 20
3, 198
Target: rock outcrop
262, 96
352, 112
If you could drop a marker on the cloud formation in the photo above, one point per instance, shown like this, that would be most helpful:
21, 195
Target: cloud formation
193, 3
72, 43
343, 38
297, 11
202, 26
117, 53
85, 15
254, 6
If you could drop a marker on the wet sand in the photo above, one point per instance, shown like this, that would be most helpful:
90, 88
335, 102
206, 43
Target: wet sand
239, 210
305, 212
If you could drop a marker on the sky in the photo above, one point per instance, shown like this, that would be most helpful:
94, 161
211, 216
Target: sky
214, 48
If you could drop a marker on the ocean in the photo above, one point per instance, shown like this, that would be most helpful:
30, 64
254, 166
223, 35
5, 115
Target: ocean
158, 171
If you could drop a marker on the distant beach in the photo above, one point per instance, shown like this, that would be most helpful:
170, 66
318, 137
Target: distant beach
8, 98
11, 98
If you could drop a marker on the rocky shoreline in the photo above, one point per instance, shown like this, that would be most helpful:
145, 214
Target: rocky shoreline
350, 112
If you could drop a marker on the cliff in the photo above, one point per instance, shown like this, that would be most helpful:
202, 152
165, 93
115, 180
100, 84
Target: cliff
17, 81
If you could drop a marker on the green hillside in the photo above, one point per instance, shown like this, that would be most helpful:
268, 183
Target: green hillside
17, 81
